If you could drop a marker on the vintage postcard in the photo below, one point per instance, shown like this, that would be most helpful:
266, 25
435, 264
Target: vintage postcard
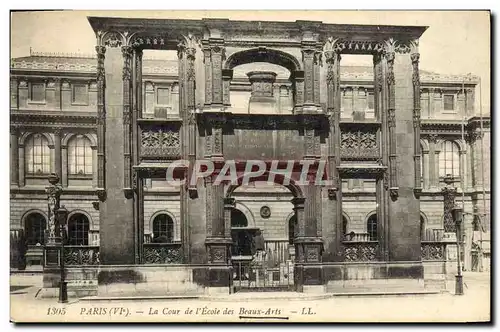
239, 166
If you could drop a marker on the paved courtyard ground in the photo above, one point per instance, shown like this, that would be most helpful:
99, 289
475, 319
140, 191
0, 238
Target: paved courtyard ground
473, 306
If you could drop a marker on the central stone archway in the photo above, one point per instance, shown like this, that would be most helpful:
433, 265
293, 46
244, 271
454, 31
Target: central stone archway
262, 253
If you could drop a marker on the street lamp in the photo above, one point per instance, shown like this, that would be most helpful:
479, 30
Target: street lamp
457, 214
61, 217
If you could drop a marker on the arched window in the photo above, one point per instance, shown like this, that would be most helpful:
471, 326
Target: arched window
78, 230
37, 155
79, 156
291, 229
449, 159
34, 227
238, 218
163, 228
371, 227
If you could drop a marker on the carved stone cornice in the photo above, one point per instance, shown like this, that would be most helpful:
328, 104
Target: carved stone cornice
53, 119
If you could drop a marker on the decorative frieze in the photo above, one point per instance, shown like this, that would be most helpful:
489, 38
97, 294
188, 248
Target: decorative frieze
415, 56
127, 52
81, 255
433, 251
358, 144
162, 253
160, 143
360, 251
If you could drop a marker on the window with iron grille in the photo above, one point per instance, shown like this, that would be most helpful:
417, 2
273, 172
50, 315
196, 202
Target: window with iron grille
163, 228
34, 227
78, 230
37, 92
449, 102
371, 226
449, 159
80, 94
79, 156
37, 155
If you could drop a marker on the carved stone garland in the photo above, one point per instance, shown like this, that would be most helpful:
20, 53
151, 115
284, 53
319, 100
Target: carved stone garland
391, 121
101, 120
127, 67
416, 121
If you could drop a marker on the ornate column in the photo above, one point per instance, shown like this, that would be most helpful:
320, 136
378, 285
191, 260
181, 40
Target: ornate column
298, 87
53, 196
382, 181
207, 61
217, 241
127, 114
227, 76
101, 120
449, 193
308, 57
217, 56
229, 204
391, 122
300, 230
333, 236
318, 62
415, 56
137, 181
14, 157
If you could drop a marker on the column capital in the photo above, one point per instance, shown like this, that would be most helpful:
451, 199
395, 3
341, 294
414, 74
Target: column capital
229, 202
101, 50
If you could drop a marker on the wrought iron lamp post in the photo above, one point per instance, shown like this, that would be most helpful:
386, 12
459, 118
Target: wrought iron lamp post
457, 214
61, 217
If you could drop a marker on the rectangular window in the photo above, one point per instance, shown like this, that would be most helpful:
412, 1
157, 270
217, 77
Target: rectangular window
162, 96
370, 101
449, 102
37, 92
80, 94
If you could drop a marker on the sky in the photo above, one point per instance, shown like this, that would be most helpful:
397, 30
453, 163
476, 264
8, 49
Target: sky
456, 42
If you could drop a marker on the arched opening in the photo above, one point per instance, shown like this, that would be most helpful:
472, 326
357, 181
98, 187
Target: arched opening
163, 229
78, 230
263, 253
34, 228
371, 228
238, 219
261, 81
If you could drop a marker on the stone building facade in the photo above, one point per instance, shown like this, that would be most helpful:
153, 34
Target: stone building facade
110, 124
